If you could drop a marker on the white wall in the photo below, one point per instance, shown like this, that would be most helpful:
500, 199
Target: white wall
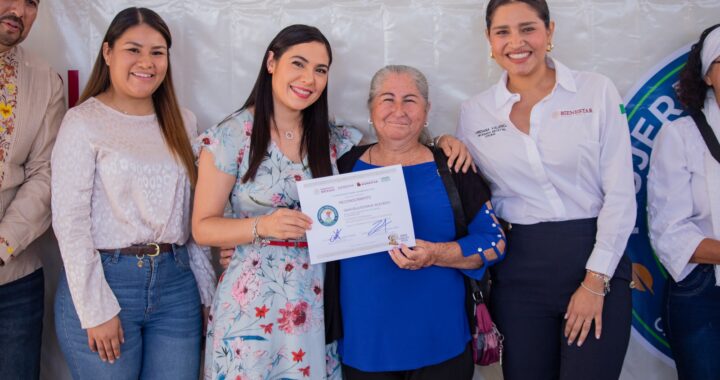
218, 46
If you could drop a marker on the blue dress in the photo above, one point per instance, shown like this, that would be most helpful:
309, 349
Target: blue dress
396, 319
266, 321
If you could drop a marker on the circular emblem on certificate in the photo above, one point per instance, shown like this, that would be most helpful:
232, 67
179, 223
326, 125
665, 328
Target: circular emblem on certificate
327, 215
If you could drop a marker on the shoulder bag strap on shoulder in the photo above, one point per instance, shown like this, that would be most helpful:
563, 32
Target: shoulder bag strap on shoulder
452, 192
476, 294
707, 133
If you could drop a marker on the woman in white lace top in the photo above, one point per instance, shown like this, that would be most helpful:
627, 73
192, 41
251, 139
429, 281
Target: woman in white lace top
128, 305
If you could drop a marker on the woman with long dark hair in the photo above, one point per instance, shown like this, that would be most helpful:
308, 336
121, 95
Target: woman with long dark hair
684, 215
554, 145
267, 317
128, 304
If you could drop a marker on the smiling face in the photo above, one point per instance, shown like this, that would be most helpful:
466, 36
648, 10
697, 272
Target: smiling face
138, 62
299, 76
398, 111
519, 39
16, 19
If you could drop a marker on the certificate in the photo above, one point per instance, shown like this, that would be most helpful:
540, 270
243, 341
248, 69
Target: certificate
356, 213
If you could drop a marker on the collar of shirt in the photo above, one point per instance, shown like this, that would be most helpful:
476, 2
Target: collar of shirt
8, 55
563, 78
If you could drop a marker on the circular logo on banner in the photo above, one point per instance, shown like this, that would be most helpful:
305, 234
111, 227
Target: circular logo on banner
327, 215
650, 104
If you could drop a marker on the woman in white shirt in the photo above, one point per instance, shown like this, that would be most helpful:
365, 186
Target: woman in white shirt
128, 304
554, 145
684, 215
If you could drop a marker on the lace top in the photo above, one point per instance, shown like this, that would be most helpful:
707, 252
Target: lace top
115, 183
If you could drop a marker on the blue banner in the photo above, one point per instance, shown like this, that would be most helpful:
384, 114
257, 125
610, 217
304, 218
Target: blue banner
649, 106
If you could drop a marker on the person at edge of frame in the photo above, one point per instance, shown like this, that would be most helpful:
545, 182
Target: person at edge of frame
32, 105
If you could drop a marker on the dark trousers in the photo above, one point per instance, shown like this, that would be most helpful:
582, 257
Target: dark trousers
692, 319
531, 290
460, 367
21, 315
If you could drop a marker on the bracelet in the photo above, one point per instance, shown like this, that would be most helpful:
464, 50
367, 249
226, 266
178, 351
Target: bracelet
436, 140
605, 278
591, 291
256, 237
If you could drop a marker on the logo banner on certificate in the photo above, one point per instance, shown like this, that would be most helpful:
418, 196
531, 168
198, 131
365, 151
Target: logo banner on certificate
356, 213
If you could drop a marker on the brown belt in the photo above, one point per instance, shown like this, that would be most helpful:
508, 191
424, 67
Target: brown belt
151, 249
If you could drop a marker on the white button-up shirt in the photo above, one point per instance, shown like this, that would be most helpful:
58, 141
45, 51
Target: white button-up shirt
683, 185
575, 163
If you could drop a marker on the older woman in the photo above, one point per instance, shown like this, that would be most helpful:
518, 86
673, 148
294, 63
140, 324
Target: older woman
554, 145
403, 311
684, 214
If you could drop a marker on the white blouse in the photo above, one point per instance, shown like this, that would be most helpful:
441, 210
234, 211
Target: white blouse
115, 183
575, 163
683, 185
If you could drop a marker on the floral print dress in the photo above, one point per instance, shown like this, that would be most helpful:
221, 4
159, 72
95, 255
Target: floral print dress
266, 320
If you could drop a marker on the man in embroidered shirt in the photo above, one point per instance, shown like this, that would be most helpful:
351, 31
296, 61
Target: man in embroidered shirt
31, 108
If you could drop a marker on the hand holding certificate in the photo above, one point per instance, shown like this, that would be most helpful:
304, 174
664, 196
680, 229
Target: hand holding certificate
356, 213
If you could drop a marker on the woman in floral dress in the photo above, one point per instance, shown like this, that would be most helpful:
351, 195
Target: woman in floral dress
267, 318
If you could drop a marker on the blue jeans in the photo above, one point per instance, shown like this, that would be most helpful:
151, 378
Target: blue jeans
160, 316
21, 315
692, 319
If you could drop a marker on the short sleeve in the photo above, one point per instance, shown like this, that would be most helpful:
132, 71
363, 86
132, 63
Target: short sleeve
227, 142
342, 138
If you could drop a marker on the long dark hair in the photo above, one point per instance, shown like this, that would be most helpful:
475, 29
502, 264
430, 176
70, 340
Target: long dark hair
691, 88
315, 122
540, 6
165, 103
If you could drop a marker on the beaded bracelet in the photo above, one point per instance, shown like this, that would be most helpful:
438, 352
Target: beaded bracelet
436, 140
591, 291
603, 277
256, 237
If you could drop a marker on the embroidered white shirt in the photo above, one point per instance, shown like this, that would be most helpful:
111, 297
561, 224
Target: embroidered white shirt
575, 163
115, 183
683, 185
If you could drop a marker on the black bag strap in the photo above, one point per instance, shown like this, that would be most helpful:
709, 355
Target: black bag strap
452, 192
458, 214
707, 133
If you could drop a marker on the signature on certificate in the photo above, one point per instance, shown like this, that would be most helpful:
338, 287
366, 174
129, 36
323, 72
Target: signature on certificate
335, 236
379, 226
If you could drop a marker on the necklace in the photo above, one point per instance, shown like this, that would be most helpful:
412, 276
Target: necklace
289, 135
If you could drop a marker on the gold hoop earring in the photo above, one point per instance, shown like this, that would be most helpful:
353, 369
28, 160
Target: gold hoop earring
492, 56
550, 47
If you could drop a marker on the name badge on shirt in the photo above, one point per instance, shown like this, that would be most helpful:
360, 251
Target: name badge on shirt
491, 131
572, 112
